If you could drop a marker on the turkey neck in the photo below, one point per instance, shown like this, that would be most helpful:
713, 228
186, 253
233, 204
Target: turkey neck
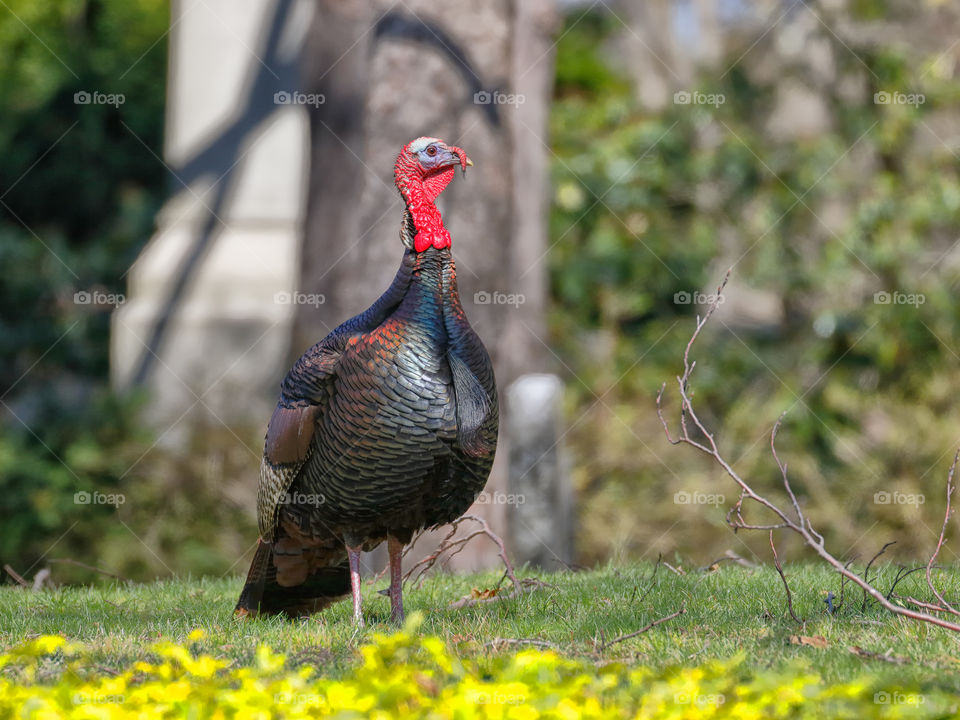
430, 277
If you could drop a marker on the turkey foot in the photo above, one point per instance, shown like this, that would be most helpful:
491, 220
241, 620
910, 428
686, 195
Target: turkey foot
353, 554
395, 550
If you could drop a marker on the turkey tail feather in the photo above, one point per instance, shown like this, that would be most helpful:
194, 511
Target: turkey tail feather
262, 594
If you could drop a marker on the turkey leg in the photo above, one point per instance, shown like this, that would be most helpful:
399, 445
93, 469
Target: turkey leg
395, 550
353, 555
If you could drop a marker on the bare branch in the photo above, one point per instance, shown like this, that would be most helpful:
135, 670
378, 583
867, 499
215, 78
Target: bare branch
795, 520
943, 531
16, 576
449, 546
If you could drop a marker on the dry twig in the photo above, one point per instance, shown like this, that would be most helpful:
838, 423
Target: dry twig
794, 519
649, 626
92, 568
947, 607
786, 586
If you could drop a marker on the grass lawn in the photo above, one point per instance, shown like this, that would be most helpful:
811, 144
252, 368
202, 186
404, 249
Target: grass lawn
728, 611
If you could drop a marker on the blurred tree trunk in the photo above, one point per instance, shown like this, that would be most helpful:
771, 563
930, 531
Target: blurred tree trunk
336, 66
478, 75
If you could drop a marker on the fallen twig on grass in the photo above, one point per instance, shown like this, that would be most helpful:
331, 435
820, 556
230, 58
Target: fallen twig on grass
91, 568
16, 576
497, 643
675, 571
649, 626
729, 556
694, 432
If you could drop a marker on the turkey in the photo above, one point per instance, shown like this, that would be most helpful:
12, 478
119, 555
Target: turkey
385, 427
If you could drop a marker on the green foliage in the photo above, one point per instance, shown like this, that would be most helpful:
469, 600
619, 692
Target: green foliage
79, 188
404, 675
652, 204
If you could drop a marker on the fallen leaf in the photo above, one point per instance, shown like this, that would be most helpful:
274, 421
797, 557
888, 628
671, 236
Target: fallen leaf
817, 641
484, 594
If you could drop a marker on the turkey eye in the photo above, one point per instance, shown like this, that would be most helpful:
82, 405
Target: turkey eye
431, 151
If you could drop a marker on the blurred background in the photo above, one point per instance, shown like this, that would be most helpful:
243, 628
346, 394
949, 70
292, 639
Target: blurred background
192, 193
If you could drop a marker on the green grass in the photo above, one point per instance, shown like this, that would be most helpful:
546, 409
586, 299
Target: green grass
728, 611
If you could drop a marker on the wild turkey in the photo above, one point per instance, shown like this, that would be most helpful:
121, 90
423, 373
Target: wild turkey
386, 426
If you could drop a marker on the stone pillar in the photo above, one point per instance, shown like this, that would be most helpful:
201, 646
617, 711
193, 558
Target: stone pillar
540, 497
207, 324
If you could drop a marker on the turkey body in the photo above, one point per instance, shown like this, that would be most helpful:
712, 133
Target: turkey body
385, 427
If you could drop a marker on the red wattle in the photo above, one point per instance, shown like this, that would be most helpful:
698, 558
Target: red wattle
435, 183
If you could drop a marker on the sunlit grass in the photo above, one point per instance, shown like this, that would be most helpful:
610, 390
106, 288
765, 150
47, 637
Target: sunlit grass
729, 611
